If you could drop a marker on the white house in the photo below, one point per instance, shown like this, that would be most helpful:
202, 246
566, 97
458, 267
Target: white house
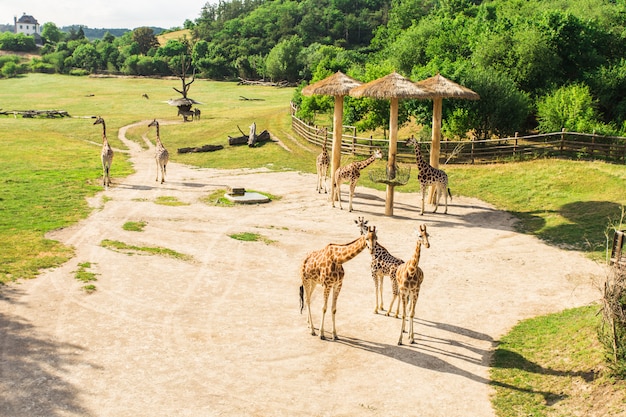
27, 25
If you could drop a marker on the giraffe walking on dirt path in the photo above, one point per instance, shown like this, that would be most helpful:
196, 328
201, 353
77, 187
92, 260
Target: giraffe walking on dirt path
106, 154
162, 156
325, 267
351, 173
428, 175
410, 276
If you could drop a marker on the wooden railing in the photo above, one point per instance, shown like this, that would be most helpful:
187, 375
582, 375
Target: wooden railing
562, 144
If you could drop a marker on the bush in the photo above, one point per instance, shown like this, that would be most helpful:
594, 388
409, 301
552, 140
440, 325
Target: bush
612, 334
79, 72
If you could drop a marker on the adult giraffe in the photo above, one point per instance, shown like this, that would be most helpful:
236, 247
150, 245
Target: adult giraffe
410, 276
428, 175
322, 162
383, 264
325, 267
162, 156
351, 173
106, 154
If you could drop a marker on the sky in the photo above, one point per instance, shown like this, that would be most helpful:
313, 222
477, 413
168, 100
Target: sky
110, 14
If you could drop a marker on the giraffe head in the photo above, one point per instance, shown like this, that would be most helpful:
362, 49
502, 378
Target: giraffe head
411, 142
370, 238
422, 237
154, 123
361, 223
99, 121
377, 154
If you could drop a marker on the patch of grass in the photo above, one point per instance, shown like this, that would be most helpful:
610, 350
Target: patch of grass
82, 274
169, 201
134, 226
143, 250
552, 365
251, 237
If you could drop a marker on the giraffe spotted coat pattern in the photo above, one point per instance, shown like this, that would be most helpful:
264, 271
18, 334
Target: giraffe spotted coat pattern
325, 267
351, 173
322, 162
383, 264
161, 155
428, 175
410, 277
106, 154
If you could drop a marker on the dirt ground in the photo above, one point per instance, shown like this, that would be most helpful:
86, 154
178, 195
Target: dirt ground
222, 334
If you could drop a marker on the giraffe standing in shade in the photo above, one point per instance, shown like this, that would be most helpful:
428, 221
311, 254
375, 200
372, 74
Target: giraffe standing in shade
325, 267
322, 163
428, 175
161, 155
383, 264
409, 277
106, 154
351, 173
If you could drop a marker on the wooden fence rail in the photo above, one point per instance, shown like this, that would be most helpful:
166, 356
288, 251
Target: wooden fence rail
562, 144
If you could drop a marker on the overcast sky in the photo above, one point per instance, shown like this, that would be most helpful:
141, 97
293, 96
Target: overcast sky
113, 14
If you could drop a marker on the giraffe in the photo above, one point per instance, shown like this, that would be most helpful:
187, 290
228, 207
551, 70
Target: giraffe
161, 155
409, 277
351, 173
106, 154
383, 263
325, 267
196, 113
428, 175
322, 162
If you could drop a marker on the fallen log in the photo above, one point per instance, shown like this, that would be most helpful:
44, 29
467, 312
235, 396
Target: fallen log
264, 136
204, 148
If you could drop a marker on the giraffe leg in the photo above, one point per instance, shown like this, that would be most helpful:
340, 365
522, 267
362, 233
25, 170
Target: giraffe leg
338, 195
163, 173
326, 293
411, 315
445, 193
352, 188
423, 187
375, 278
336, 291
403, 300
308, 290
158, 169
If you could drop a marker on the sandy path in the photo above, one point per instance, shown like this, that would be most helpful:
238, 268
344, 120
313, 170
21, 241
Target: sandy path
223, 335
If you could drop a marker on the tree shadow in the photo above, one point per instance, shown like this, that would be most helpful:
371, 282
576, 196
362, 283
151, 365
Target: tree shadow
429, 352
30, 365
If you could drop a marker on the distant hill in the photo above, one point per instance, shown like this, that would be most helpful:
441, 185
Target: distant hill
94, 33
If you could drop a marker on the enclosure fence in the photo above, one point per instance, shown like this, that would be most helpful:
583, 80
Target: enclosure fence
570, 145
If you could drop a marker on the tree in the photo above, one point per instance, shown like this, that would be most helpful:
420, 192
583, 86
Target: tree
51, 32
283, 61
571, 107
145, 38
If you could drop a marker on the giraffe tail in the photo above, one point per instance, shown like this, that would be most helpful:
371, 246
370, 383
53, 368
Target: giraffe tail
449, 193
301, 298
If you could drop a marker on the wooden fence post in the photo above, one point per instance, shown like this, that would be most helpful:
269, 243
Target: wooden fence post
562, 140
515, 145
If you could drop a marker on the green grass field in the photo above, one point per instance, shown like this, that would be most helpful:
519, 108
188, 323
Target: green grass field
49, 166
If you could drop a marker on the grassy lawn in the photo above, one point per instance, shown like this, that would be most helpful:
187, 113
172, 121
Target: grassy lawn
49, 166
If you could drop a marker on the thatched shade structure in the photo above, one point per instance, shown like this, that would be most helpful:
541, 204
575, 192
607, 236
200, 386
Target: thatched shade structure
441, 88
337, 85
391, 87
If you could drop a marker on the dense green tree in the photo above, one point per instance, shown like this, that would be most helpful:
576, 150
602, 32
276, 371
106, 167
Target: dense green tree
51, 33
145, 39
284, 60
571, 108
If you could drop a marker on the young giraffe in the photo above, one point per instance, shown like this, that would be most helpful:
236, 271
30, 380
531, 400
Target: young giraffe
351, 173
383, 263
161, 155
106, 154
322, 163
409, 277
428, 175
325, 267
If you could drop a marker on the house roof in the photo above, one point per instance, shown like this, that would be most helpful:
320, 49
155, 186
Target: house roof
27, 19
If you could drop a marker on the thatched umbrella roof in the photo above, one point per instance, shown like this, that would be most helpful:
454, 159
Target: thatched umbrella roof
337, 85
441, 88
182, 102
391, 87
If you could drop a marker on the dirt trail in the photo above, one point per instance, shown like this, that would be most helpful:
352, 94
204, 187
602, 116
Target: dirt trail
222, 334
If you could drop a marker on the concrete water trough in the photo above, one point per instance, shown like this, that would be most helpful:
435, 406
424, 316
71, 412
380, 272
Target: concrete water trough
241, 196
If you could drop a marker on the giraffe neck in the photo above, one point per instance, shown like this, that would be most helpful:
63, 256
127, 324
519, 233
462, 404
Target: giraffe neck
421, 164
362, 164
104, 131
415, 259
343, 253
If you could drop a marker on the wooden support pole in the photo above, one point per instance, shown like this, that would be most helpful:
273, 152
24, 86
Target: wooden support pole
435, 144
393, 150
336, 150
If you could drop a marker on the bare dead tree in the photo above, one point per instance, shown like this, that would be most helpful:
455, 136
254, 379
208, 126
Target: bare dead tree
185, 66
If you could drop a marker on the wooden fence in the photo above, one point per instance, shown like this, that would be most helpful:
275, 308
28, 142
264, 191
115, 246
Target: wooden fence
559, 144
